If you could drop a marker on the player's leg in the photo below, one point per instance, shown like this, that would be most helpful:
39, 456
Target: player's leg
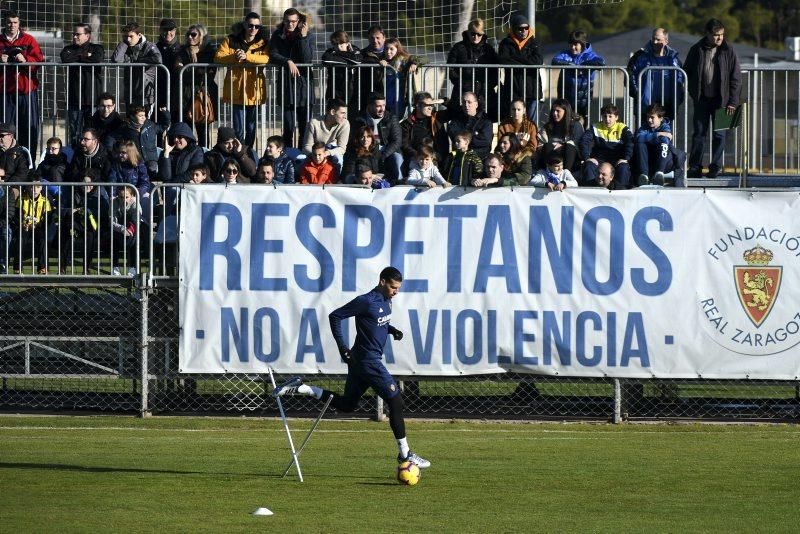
353, 390
385, 386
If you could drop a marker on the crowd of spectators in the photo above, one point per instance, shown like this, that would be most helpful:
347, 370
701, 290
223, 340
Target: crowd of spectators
372, 131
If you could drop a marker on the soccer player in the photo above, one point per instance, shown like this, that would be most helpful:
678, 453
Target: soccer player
373, 312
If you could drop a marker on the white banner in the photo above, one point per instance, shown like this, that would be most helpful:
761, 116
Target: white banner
649, 283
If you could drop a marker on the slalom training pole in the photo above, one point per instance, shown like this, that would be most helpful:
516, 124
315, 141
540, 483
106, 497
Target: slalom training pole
308, 436
295, 459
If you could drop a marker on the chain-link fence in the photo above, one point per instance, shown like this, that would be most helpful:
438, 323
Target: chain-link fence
74, 346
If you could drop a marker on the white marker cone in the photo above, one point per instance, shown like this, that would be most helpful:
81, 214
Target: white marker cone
262, 511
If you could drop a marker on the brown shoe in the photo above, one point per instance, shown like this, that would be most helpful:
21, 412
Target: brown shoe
43, 270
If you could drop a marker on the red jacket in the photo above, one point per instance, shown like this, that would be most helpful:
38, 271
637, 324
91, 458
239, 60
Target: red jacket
26, 81
311, 173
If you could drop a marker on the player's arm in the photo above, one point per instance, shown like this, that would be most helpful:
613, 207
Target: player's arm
395, 333
351, 309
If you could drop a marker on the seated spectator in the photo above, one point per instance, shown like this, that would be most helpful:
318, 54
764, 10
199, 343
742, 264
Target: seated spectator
33, 219
179, 155
554, 177
494, 173
519, 124
422, 128
388, 137
342, 76
229, 147
575, 85
145, 134
125, 217
367, 177
318, 169
231, 172
106, 121
424, 171
53, 166
281, 162
265, 173
200, 174
331, 129
653, 147
605, 177
91, 154
608, 140
471, 118
199, 83
127, 167
517, 161
464, 164
83, 215
402, 65
361, 152
561, 134
15, 160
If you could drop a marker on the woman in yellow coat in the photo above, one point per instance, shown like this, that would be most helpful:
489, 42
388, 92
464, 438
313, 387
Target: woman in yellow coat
245, 87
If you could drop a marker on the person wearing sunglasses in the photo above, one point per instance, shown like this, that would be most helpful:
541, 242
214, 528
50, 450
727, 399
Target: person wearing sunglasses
245, 87
473, 49
520, 48
83, 82
198, 82
289, 46
180, 154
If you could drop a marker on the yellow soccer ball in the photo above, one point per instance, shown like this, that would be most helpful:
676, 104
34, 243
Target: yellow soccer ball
408, 473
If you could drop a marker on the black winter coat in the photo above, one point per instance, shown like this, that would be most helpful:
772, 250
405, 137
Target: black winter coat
84, 83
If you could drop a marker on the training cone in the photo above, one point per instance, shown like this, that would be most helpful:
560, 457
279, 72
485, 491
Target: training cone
262, 511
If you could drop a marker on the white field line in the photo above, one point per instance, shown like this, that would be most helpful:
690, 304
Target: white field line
477, 430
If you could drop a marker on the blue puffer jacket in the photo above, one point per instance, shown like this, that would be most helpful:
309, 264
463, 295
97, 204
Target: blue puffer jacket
574, 84
657, 85
128, 174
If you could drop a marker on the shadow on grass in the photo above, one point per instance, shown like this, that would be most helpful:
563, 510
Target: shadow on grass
98, 469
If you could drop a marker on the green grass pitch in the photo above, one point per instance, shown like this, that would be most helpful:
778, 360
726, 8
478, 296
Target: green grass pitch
192, 474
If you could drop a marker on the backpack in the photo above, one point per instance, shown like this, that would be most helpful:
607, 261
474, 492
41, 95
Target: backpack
202, 110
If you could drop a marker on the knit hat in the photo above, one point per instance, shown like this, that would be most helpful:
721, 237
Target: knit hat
226, 133
518, 20
8, 128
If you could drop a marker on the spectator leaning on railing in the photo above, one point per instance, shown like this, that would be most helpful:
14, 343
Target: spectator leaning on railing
20, 84
244, 87
83, 82
141, 81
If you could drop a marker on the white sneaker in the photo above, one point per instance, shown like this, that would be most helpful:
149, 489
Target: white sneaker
287, 387
421, 462
116, 272
132, 272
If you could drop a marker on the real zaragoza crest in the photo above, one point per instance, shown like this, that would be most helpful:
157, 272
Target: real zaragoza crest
757, 284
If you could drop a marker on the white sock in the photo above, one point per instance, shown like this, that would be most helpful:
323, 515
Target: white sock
402, 445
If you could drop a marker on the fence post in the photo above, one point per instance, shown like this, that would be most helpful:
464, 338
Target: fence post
379, 416
617, 418
144, 288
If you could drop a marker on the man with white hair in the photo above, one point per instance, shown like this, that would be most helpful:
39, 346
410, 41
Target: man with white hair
660, 85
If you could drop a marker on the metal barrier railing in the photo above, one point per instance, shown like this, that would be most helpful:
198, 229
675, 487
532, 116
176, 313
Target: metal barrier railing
70, 229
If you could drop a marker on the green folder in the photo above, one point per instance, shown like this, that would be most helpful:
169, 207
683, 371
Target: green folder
723, 121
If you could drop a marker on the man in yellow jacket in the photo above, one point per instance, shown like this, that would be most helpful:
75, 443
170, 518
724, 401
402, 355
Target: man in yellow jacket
245, 87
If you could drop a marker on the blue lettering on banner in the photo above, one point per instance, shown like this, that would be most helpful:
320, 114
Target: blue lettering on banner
454, 215
580, 339
229, 328
260, 246
209, 248
541, 230
274, 335
551, 331
354, 217
447, 358
634, 329
401, 247
616, 250
423, 349
461, 337
521, 337
309, 328
651, 250
498, 220
312, 244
